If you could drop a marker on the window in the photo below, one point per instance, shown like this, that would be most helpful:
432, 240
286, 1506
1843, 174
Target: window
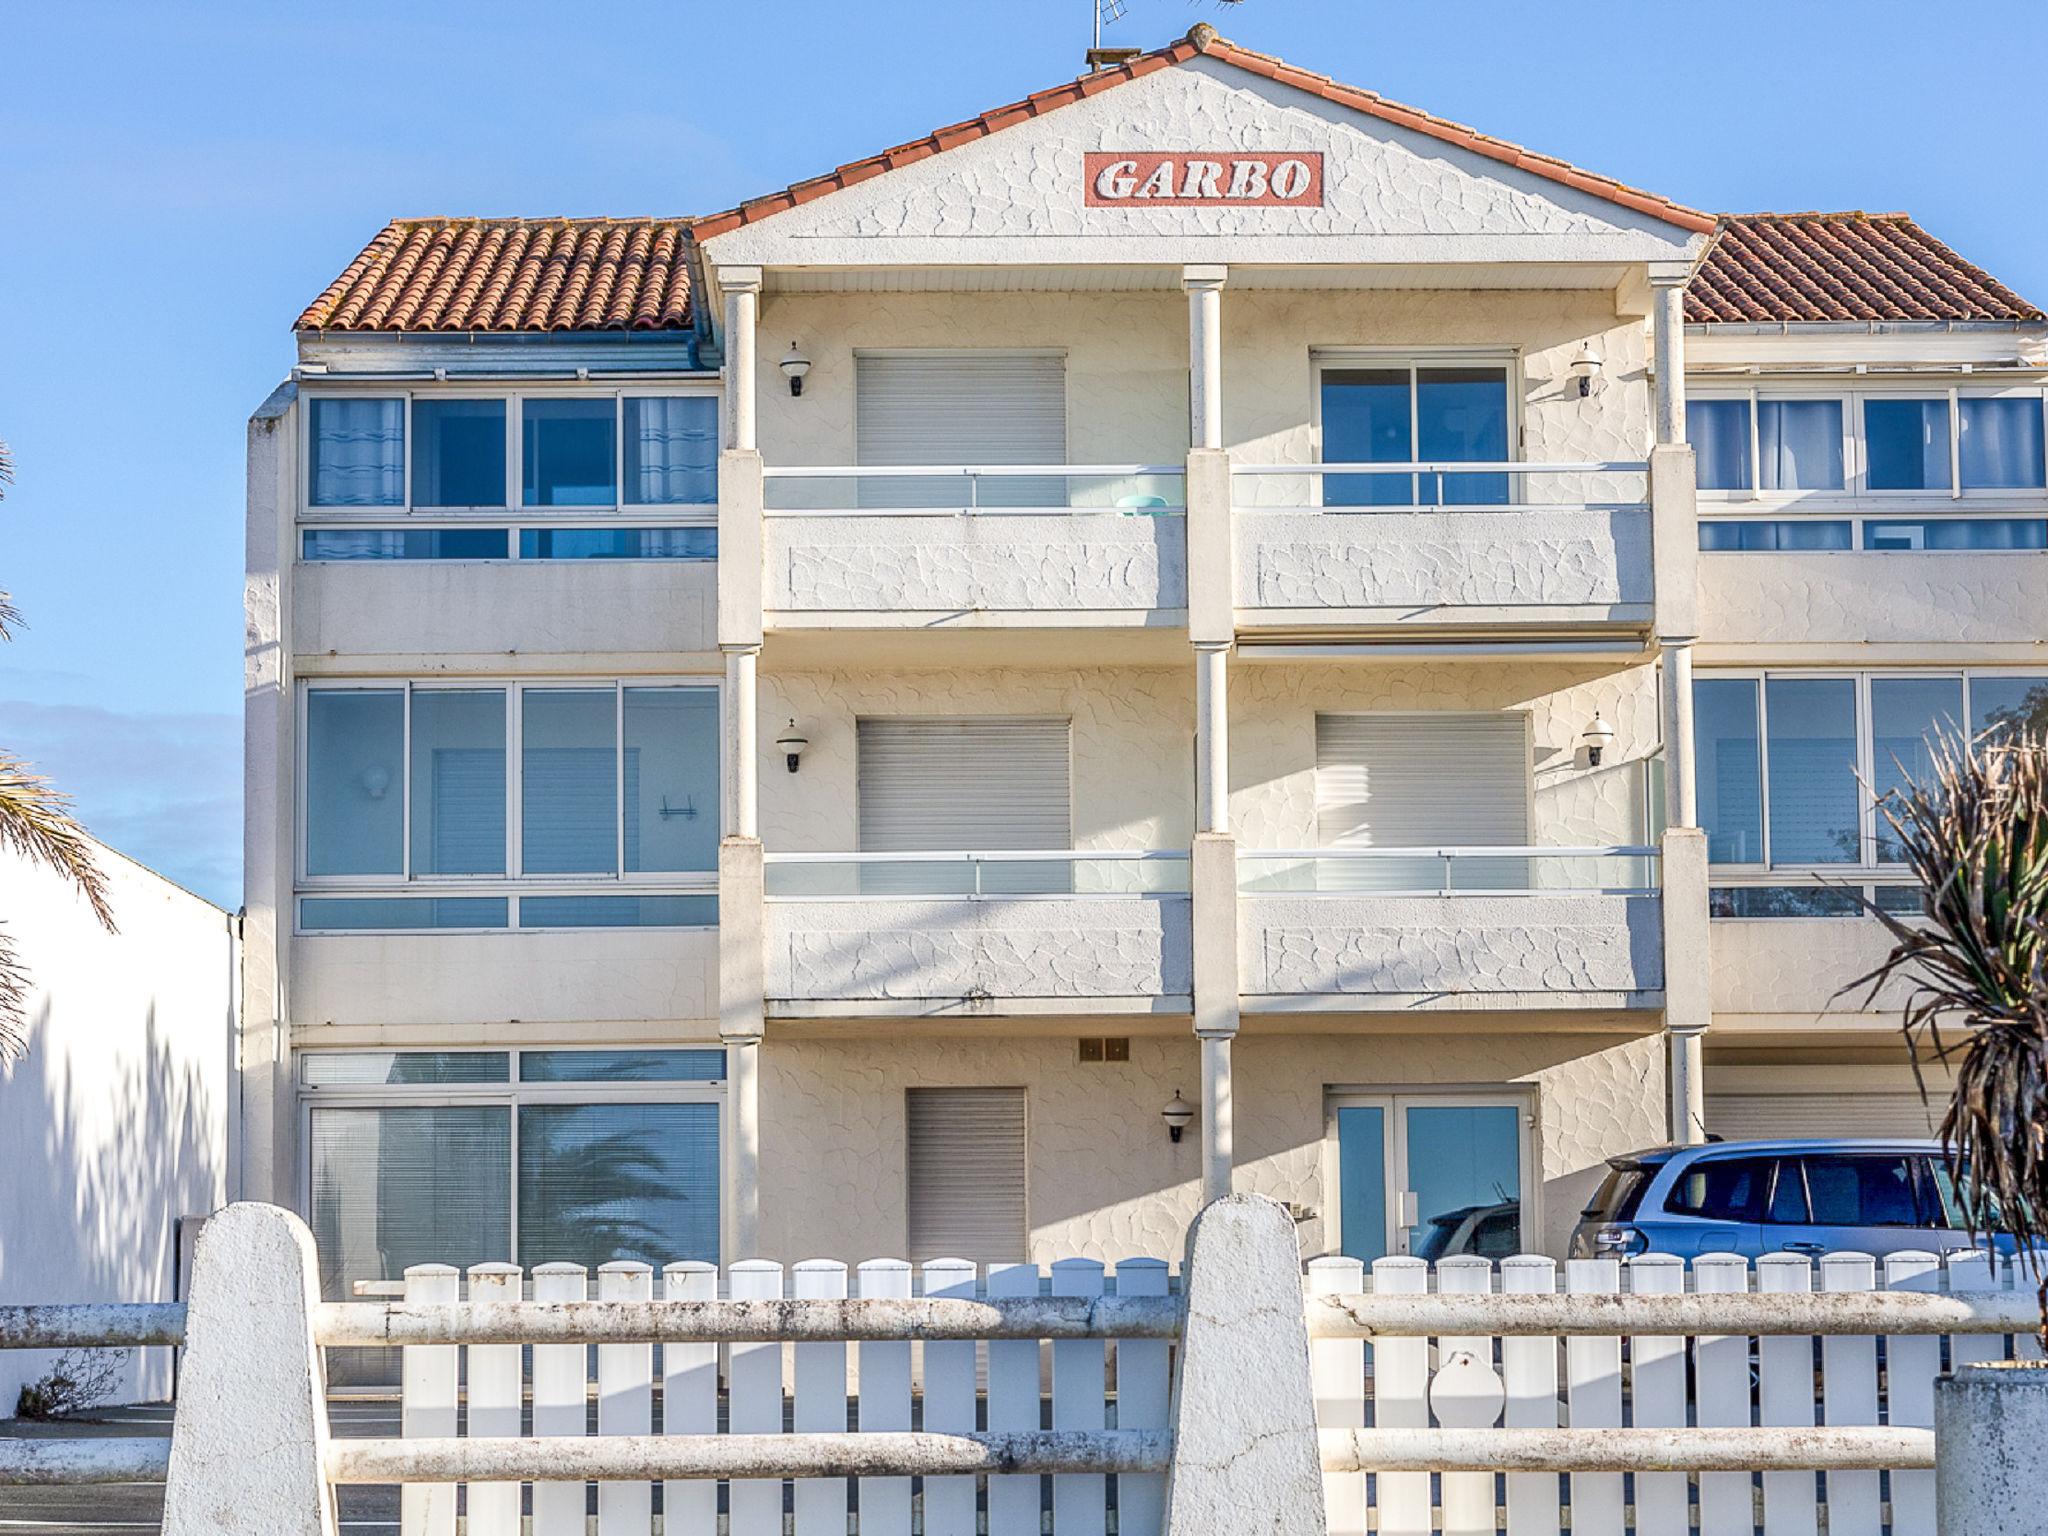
949, 784
602, 1182
960, 408
1795, 443
1957, 533
356, 451
403, 544
965, 1159
1862, 1189
458, 454
1907, 444
1722, 1189
1761, 901
1782, 758
618, 783
568, 453
1414, 414
1719, 430
671, 445
1424, 780
1751, 537
1999, 442
618, 543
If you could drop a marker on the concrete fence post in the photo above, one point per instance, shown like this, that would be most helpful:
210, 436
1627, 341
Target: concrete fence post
1990, 1430
250, 1439
1245, 1453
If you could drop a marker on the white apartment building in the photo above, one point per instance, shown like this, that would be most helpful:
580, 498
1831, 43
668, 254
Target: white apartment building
1203, 598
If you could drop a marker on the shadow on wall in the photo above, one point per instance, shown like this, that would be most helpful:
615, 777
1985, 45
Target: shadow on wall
101, 1151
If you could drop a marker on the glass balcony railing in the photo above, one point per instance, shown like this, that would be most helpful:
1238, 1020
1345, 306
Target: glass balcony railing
974, 876
1441, 486
1616, 871
951, 490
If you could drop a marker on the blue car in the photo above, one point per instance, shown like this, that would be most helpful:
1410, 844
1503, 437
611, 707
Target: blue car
1758, 1197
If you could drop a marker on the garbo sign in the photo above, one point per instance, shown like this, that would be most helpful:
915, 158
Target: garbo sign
1238, 178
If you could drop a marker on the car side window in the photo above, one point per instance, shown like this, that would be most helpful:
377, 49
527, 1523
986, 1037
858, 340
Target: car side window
1788, 1196
1721, 1189
1862, 1189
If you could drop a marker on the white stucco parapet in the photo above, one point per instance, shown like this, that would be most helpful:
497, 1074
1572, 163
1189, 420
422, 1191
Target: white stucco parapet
1789, 599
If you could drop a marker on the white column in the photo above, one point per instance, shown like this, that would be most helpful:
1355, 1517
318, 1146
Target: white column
742, 288
1668, 336
1681, 793
742, 666
743, 1144
1688, 1087
1204, 287
1219, 1137
1212, 738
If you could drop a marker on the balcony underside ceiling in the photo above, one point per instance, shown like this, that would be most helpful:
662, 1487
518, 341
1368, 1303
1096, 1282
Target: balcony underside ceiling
1121, 277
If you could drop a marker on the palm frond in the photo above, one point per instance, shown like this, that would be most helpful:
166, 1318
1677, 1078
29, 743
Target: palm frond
1974, 832
36, 822
13, 1001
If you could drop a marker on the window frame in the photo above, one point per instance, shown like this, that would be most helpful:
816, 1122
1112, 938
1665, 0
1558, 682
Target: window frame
1752, 396
514, 513
1394, 1101
510, 1094
1510, 360
514, 882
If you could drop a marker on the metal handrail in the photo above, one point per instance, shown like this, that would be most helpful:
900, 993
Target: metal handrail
1452, 467
1635, 851
966, 855
899, 471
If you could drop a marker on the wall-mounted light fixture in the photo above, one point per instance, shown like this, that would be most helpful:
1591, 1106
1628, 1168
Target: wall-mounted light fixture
376, 780
794, 366
1177, 1114
1587, 367
791, 744
1596, 737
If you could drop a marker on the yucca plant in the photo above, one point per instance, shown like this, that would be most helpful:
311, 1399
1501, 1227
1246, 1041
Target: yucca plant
1974, 831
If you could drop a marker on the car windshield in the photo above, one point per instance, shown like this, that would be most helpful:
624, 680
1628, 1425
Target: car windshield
1621, 1191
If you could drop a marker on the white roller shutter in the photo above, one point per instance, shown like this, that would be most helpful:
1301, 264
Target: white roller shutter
961, 408
963, 782
1422, 780
1773, 1116
965, 1159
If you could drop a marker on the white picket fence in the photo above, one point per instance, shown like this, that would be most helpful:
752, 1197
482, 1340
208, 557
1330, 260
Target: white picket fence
774, 1388
1595, 1369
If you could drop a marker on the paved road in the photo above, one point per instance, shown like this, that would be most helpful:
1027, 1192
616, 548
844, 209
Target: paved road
138, 1507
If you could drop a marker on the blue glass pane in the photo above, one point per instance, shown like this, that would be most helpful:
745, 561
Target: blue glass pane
1366, 421
1906, 716
702, 1066
2009, 703
358, 452
376, 1069
1719, 430
1465, 1166
458, 781
1362, 1181
343, 914
1756, 537
672, 450
618, 543
405, 544
2001, 443
599, 1182
355, 795
1781, 901
1902, 900
1812, 756
618, 911
569, 820
458, 453
1462, 413
1907, 444
568, 450
1957, 533
672, 774
1730, 769
1800, 443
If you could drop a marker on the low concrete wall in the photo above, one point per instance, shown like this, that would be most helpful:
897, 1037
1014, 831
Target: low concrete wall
528, 607
900, 568
490, 978
1792, 971
1542, 563
116, 1122
1779, 602
1410, 950
962, 954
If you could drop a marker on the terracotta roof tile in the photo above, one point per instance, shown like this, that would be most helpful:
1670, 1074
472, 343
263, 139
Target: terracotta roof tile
1773, 267
1203, 40
513, 275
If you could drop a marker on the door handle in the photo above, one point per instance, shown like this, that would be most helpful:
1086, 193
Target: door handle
1810, 1249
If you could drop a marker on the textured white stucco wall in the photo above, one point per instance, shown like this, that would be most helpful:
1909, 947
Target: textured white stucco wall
1797, 973
1104, 1180
115, 1124
1776, 602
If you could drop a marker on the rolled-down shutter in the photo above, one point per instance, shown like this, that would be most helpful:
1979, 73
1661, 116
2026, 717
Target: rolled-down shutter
966, 1158
962, 783
1775, 1116
1422, 780
961, 408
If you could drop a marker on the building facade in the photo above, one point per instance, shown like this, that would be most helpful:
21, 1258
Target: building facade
1204, 600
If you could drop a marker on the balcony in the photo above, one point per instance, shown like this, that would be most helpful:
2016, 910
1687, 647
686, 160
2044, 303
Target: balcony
1450, 928
851, 934
1421, 546
975, 546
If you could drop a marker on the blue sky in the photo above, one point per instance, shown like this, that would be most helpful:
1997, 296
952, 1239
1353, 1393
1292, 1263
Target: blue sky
176, 181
